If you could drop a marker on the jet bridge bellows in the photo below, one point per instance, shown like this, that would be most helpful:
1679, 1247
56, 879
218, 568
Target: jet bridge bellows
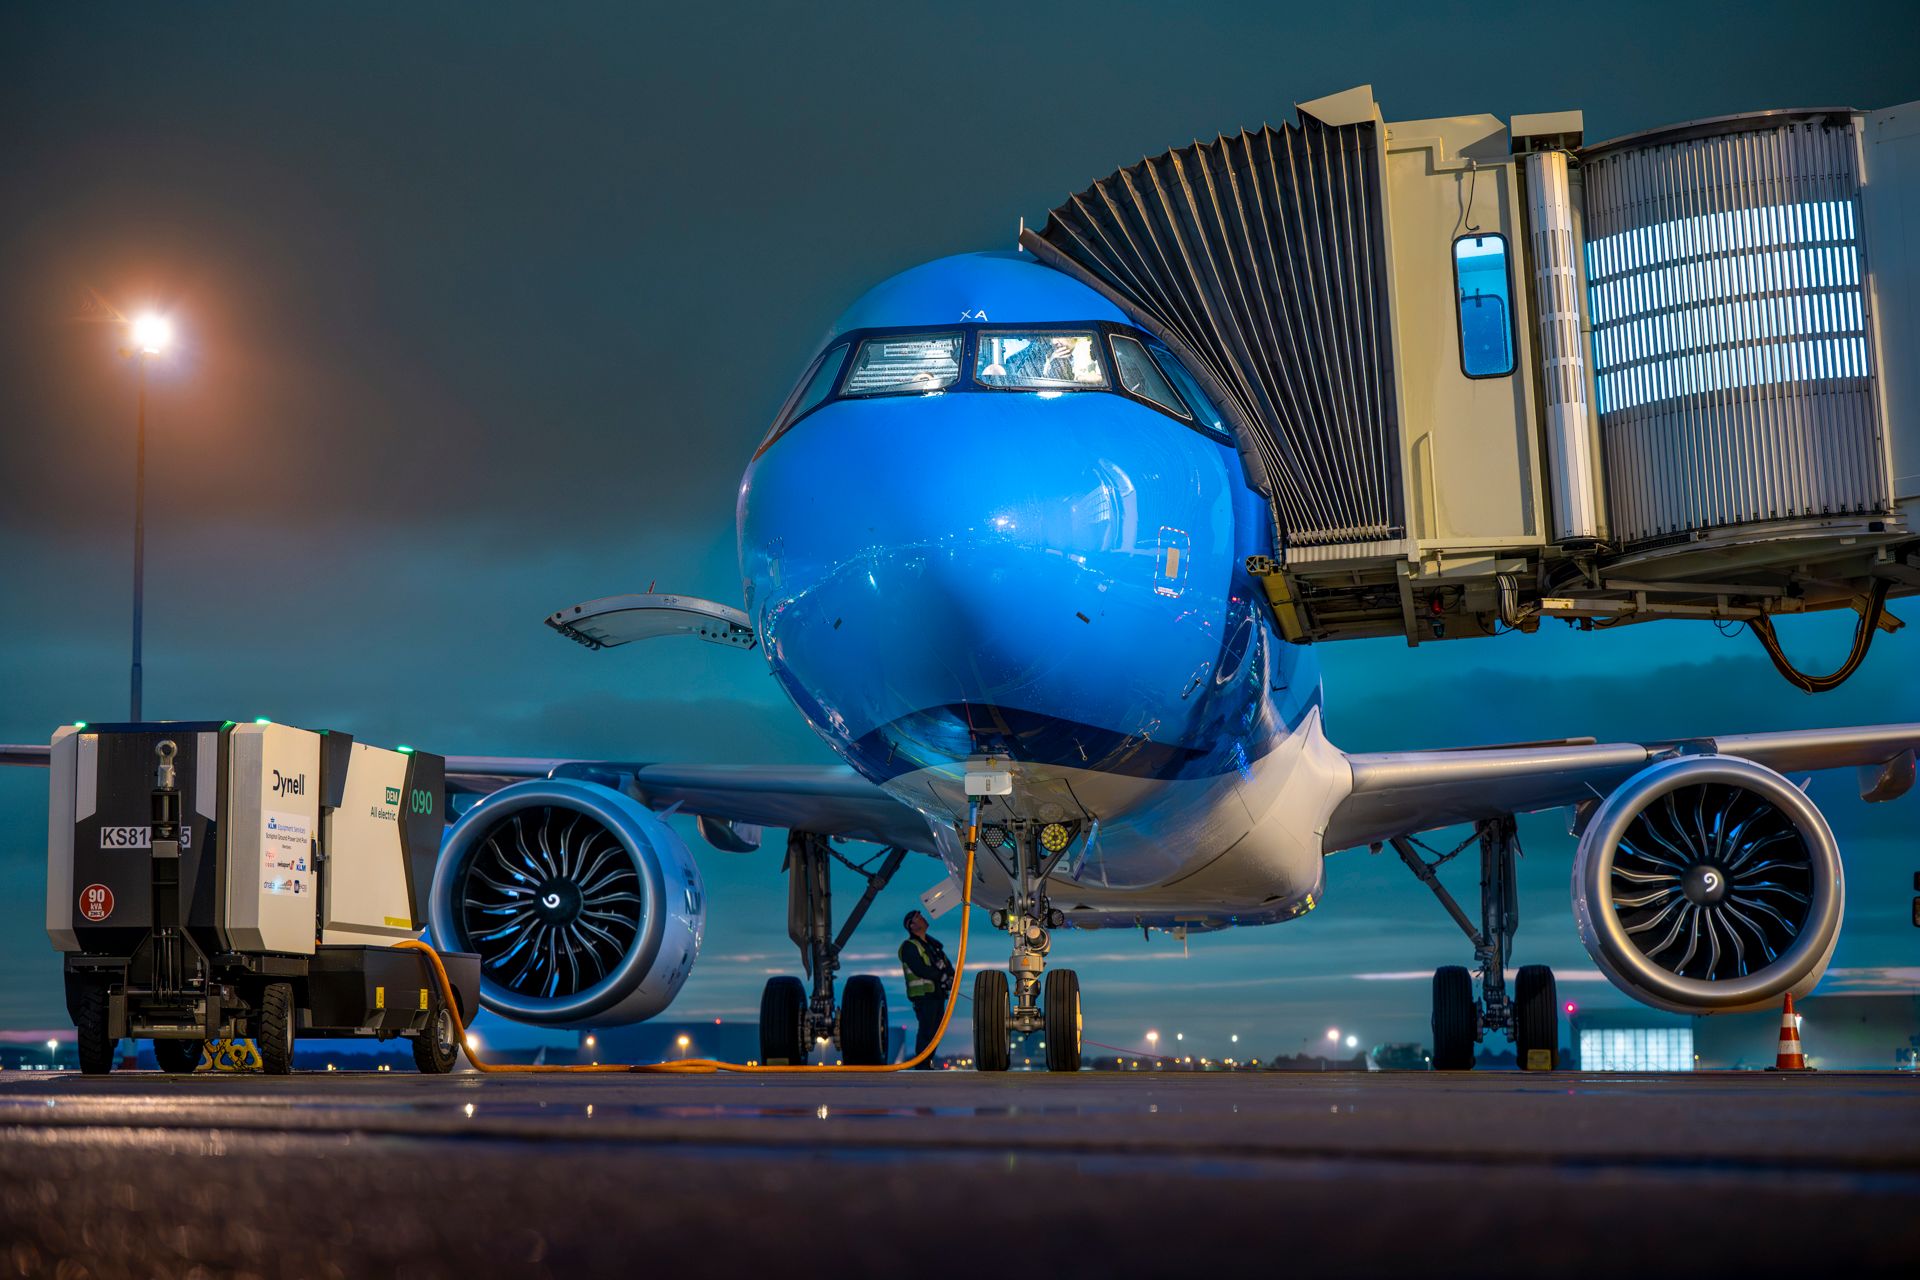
1487, 374
1261, 259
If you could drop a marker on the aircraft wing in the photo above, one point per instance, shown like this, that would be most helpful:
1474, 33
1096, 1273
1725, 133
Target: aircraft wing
1397, 793
831, 800
827, 799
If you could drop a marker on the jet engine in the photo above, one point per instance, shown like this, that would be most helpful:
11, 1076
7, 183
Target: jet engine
584, 907
1708, 884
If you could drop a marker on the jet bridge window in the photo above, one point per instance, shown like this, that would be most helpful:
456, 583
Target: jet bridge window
904, 366
1486, 310
1040, 361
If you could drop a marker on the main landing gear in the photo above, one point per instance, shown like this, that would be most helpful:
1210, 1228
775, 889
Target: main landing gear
792, 1020
1531, 1017
1052, 1006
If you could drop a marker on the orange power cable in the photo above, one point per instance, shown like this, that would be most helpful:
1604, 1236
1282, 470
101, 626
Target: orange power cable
707, 1066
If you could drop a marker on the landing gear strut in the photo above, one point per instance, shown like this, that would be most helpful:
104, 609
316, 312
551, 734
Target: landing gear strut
1028, 918
792, 1019
1531, 1017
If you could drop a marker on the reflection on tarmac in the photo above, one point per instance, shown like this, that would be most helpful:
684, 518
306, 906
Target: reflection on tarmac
1562, 1174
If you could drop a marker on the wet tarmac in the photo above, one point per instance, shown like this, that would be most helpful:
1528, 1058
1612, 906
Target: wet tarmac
958, 1174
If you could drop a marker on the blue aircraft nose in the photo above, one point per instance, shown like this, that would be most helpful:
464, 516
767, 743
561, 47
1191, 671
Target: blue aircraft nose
951, 575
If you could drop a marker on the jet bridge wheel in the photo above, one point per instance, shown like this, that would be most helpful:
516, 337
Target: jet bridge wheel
1536, 1014
178, 1057
1455, 1019
783, 1021
863, 1022
991, 1049
1062, 1005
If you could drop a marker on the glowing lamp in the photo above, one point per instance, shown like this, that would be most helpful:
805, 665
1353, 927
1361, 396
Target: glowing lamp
152, 334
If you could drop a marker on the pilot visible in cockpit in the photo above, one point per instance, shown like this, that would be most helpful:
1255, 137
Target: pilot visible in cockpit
1042, 361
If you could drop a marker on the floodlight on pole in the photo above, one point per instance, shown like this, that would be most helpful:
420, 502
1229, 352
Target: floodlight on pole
150, 334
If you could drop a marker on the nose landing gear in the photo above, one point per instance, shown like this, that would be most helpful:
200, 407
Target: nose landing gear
1038, 1001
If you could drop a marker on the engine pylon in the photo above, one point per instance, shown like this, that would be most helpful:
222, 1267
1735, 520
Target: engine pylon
1790, 1057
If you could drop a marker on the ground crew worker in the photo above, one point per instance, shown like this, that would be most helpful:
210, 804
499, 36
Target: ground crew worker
929, 979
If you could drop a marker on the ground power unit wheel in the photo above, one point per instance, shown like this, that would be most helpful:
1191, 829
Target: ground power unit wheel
1061, 1004
863, 1022
1536, 1015
178, 1057
1454, 1019
275, 1040
991, 1049
90, 1026
434, 1051
783, 1014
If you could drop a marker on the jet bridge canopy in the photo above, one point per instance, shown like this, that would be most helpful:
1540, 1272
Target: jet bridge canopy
1487, 374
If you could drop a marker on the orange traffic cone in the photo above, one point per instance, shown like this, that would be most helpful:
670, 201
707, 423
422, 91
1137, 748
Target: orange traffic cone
1790, 1057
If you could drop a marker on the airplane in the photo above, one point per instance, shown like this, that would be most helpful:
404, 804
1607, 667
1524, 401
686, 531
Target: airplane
995, 550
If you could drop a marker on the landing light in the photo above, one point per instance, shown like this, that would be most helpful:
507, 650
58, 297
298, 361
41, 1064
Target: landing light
1054, 837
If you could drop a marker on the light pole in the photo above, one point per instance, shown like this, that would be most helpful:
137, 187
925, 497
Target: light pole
151, 333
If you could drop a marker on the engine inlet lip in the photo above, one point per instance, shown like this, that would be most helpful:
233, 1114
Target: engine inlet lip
1594, 896
598, 804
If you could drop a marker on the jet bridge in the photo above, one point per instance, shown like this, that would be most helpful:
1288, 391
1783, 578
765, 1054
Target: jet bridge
1487, 373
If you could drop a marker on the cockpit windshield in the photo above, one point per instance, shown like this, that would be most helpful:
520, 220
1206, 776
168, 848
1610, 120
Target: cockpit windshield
1039, 361
904, 366
1043, 361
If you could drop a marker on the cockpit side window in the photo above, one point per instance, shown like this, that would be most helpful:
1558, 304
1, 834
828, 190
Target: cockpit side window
820, 385
1139, 376
904, 366
811, 393
1039, 360
1204, 412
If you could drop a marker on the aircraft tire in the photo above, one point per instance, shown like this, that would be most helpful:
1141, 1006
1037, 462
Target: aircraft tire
1062, 1008
1454, 1019
863, 1022
991, 1049
178, 1057
1536, 1014
783, 1013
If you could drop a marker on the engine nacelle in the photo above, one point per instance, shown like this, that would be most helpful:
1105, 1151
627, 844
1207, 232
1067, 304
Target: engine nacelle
1709, 884
584, 907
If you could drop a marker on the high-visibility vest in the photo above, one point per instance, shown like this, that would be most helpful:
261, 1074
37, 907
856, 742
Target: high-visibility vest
917, 986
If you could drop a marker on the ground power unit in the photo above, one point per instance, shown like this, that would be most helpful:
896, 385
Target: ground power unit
208, 880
